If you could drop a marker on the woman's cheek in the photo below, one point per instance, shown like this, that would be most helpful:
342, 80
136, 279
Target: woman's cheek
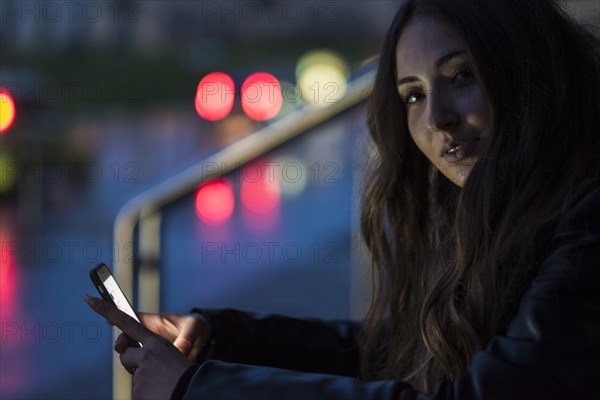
478, 115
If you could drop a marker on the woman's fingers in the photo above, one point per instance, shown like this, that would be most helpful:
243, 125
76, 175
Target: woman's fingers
195, 331
187, 336
122, 343
131, 358
184, 332
166, 325
183, 345
121, 320
148, 319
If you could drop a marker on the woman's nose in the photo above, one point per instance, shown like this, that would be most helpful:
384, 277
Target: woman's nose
441, 115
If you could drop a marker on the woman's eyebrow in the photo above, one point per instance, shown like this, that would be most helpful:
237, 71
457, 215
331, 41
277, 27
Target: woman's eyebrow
438, 64
448, 57
408, 79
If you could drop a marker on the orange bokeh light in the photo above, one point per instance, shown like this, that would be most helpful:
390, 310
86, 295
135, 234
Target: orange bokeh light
7, 110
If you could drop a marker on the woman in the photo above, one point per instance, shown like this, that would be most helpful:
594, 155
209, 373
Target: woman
482, 217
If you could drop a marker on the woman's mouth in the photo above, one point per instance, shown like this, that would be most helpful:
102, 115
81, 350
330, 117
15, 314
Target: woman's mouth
457, 151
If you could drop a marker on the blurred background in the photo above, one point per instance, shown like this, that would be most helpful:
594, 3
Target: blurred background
103, 100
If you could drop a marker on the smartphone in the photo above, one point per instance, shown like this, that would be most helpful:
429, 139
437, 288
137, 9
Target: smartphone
110, 291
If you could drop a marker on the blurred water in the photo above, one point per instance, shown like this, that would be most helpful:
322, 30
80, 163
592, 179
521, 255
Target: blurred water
53, 346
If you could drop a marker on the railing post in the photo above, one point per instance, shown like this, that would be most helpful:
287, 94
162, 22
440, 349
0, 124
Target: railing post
124, 253
149, 273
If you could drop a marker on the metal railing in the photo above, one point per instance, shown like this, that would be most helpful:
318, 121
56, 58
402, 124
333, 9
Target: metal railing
144, 210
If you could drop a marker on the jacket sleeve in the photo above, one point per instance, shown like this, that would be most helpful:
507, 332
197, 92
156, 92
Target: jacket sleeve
308, 345
550, 350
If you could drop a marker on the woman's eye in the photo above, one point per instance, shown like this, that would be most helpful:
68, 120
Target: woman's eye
463, 75
413, 98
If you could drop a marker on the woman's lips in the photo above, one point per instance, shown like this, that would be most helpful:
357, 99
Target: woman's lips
459, 150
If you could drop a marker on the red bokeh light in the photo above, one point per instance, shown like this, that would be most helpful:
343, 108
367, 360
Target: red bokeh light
261, 96
215, 202
7, 110
260, 190
215, 96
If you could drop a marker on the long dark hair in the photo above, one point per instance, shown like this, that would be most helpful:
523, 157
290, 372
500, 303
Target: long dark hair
451, 264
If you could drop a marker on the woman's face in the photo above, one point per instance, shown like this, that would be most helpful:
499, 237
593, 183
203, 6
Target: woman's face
446, 111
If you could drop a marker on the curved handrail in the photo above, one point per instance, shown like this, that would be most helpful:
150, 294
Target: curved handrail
149, 203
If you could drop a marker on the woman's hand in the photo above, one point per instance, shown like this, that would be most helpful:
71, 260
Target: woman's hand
159, 364
188, 333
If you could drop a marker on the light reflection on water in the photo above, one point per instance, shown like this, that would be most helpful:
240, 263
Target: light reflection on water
8, 278
13, 370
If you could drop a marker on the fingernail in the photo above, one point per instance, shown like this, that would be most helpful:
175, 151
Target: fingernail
93, 302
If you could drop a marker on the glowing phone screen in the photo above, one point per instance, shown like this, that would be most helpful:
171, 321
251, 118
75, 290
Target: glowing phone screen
115, 292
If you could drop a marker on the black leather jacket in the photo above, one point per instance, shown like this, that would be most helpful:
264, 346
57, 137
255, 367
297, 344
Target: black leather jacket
550, 350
